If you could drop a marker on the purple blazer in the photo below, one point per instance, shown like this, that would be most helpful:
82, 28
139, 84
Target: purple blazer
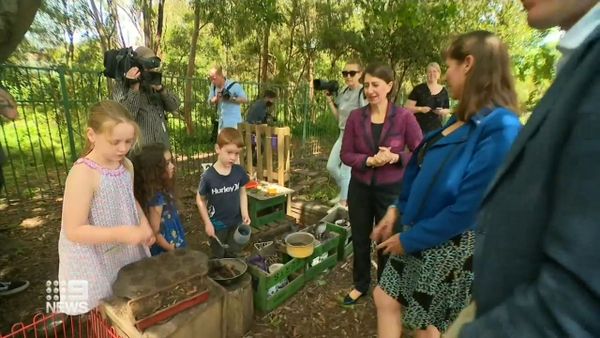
400, 131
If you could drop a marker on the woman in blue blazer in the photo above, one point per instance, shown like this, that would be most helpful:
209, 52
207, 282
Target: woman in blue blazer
429, 275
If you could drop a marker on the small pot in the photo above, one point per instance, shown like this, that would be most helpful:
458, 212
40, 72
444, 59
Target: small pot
300, 244
242, 234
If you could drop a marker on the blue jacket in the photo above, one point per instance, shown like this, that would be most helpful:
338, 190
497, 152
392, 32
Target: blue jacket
440, 199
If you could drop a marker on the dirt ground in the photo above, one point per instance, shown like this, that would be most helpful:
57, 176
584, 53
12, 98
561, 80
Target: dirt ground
29, 236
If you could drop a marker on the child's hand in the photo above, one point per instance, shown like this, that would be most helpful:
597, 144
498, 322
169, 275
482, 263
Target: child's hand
210, 230
246, 220
137, 235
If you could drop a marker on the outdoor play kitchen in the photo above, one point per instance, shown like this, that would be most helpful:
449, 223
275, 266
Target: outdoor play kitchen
183, 293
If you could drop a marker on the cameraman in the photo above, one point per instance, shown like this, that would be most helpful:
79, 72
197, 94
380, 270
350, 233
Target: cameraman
260, 111
350, 97
227, 95
147, 103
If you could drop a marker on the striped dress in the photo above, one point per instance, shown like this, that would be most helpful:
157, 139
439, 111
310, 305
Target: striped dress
113, 205
148, 110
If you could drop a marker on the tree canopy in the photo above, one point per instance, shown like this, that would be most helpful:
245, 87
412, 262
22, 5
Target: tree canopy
284, 42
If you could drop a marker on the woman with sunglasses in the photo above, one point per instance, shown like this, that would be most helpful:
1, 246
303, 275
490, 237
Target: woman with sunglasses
350, 97
429, 101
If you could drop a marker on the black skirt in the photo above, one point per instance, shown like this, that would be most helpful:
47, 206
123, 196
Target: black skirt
434, 285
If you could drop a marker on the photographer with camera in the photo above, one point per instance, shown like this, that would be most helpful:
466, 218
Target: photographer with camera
349, 98
260, 112
227, 95
141, 91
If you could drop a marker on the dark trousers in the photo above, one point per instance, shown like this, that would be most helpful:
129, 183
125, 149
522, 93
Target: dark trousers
226, 237
366, 207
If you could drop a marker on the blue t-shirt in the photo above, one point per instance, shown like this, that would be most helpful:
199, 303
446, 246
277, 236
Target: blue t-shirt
170, 223
230, 114
222, 194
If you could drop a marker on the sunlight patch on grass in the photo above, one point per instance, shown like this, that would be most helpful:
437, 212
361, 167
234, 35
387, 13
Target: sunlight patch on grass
33, 222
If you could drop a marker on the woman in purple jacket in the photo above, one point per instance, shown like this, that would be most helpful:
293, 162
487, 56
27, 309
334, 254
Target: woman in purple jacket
374, 139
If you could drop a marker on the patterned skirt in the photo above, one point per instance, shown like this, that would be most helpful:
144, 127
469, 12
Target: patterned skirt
434, 285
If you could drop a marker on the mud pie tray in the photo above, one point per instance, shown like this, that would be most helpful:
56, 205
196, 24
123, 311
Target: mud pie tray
152, 309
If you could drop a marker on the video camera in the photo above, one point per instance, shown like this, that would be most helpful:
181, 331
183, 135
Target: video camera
330, 86
118, 61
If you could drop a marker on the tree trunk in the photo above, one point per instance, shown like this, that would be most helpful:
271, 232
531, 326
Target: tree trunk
104, 38
265, 55
147, 17
70, 48
191, 69
399, 81
112, 8
159, 27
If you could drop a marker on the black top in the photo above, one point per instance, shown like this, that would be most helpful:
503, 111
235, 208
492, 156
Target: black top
376, 129
425, 148
421, 94
258, 112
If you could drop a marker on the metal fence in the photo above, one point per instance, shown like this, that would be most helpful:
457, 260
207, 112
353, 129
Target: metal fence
49, 133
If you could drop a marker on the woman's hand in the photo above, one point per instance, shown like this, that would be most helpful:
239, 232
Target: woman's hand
386, 156
392, 246
375, 161
385, 227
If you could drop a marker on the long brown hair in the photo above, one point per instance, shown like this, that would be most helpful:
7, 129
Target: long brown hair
103, 116
150, 168
489, 82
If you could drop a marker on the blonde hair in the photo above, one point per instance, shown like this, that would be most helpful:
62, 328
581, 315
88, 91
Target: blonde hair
230, 136
355, 61
435, 65
489, 82
218, 69
104, 116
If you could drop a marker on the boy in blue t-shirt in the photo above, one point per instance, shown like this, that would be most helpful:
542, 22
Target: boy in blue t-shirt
221, 197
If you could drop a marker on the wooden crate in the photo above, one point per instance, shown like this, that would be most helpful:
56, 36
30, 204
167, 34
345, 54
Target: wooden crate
267, 152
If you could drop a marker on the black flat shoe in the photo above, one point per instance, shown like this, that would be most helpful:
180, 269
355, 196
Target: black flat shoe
349, 301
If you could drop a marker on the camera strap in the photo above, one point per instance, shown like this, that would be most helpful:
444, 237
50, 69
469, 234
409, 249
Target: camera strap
214, 88
230, 85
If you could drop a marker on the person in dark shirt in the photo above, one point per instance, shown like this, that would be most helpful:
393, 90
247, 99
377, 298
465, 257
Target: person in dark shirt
260, 111
429, 101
